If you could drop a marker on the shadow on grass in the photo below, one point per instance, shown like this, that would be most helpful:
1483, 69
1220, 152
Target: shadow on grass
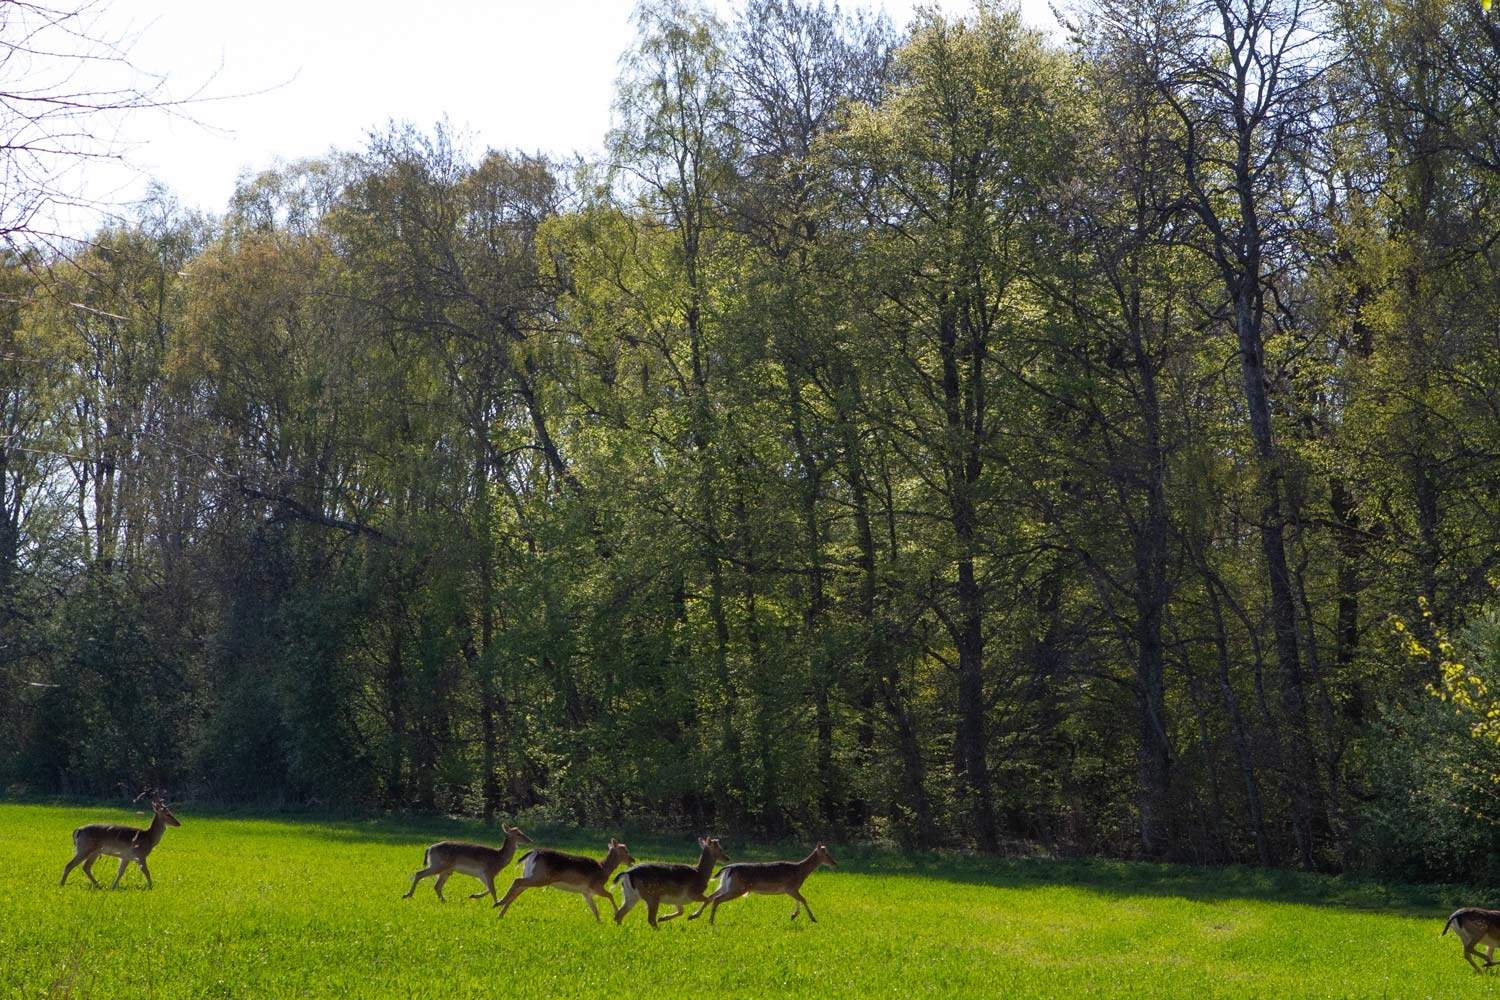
1199, 884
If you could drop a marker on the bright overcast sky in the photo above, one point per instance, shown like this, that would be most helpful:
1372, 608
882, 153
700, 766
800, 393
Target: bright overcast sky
315, 75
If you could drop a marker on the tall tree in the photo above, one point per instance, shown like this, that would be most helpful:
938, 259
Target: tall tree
956, 154
445, 252
673, 147
1124, 294
1244, 78
796, 68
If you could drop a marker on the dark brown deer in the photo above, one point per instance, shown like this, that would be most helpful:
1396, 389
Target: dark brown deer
679, 885
1477, 929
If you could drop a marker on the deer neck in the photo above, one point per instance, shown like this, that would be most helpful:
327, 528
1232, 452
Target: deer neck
705, 864
155, 830
609, 864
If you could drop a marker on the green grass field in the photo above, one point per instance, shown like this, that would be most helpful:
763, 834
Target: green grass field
262, 909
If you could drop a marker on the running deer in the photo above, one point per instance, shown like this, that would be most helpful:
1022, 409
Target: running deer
665, 883
484, 863
570, 872
1477, 929
127, 843
768, 877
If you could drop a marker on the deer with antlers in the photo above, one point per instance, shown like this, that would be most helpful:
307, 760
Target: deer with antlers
128, 843
679, 885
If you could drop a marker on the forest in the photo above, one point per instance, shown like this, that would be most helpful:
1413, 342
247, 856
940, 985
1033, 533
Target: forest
953, 436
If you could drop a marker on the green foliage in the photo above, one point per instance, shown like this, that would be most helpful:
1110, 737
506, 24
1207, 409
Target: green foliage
940, 439
1436, 771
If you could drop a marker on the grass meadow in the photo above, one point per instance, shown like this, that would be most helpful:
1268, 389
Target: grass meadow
264, 908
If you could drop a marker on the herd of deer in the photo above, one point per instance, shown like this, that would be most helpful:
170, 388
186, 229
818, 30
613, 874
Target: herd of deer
655, 883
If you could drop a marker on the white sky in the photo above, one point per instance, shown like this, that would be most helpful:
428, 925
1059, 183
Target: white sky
315, 75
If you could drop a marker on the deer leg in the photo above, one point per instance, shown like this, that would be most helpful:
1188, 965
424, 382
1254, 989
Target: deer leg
88, 869
673, 916
418, 877
489, 889
651, 907
517, 887
69, 869
141, 863
630, 900
589, 899
438, 885
723, 894
124, 864
706, 900
721, 897
802, 904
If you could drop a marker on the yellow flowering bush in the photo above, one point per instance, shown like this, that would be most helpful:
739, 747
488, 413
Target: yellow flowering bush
1459, 685
1434, 768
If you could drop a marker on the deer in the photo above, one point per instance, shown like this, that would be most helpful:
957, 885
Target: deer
768, 877
679, 885
128, 843
1477, 929
570, 872
484, 863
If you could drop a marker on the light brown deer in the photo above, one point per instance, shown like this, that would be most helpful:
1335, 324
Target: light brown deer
768, 877
484, 863
679, 885
571, 872
127, 843
1477, 929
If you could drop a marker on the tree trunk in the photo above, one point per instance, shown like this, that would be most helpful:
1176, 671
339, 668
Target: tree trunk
1239, 731
962, 414
1296, 751
1150, 555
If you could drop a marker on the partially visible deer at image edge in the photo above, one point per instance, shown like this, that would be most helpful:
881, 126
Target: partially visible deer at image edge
1477, 929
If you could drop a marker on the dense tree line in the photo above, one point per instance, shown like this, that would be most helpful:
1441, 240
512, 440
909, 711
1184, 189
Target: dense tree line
955, 436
